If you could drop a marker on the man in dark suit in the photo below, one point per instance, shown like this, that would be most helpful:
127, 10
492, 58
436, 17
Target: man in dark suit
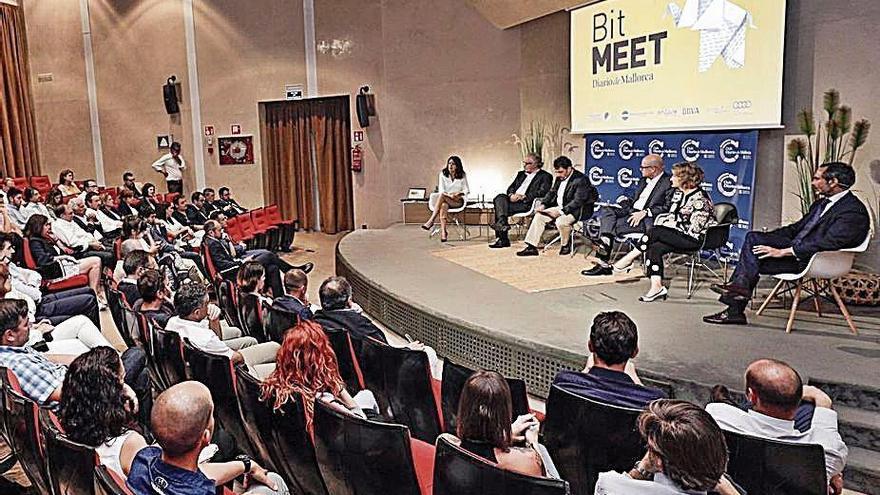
210, 197
634, 214
195, 211
227, 204
530, 184
837, 221
572, 198
295, 300
338, 311
180, 211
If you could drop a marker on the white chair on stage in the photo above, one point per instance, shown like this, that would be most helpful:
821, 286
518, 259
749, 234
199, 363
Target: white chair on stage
520, 219
816, 280
454, 215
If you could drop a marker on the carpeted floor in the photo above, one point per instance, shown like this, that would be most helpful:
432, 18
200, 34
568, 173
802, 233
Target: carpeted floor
548, 271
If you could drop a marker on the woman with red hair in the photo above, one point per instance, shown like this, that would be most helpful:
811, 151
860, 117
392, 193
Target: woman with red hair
306, 365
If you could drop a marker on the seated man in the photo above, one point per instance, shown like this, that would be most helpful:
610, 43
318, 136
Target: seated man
572, 198
180, 212
110, 227
775, 390
183, 424
155, 301
89, 186
199, 322
228, 205
531, 183
73, 236
14, 201
210, 198
195, 211
339, 311
295, 299
227, 257
837, 221
87, 222
127, 204
134, 264
609, 376
634, 214
130, 184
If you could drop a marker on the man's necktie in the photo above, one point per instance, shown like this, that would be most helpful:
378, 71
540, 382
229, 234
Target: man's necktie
815, 216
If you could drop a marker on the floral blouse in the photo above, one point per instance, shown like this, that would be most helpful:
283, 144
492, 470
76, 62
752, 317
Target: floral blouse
690, 214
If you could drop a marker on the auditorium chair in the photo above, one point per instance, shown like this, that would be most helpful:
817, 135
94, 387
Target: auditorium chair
362, 457
4, 385
24, 431
41, 183
816, 279
276, 322
454, 377
455, 214
227, 299
145, 330
21, 183
772, 467
586, 437
216, 372
108, 482
284, 432
117, 304
251, 316
520, 221
457, 471
168, 353
131, 330
346, 358
248, 229
73, 282
237, 235
261, 224
68, 463
400, 379
288, 227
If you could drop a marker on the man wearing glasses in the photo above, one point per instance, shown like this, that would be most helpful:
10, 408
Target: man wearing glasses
632, 215
530, 183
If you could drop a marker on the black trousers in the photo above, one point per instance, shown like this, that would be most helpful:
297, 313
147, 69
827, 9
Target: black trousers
174, 186
504, 207
749, 268
59, 306
614, 222
662, 240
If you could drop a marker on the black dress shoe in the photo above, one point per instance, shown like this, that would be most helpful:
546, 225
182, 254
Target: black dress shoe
528, 251
306, 267
598, 270
565, 250
500, 244
726, 317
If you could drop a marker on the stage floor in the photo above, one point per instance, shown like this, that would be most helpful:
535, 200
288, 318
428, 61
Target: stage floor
674, 341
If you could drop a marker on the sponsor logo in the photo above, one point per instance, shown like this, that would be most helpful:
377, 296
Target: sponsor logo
728, 186
625, 178
729, 151
624, 115
742, 104
658, 147
597, 176
598, 150
626, 150
690, 110
691, 151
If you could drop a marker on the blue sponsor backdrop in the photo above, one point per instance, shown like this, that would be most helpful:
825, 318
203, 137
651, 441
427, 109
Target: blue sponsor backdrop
728, 159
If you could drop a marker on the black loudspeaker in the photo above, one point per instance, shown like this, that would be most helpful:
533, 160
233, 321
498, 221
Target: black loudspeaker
169, 94
363, 110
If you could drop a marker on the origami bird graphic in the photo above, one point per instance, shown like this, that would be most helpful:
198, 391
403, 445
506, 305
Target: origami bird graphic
722, 25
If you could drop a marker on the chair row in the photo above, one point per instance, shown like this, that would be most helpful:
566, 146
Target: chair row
262, 228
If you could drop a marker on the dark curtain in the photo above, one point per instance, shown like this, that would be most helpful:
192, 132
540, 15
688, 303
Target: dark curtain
18, 135
290, 131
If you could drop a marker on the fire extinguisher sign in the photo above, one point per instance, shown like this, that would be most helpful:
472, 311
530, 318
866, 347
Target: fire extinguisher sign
357, 158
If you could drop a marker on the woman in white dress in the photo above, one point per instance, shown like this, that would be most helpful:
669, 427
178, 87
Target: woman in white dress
452, 192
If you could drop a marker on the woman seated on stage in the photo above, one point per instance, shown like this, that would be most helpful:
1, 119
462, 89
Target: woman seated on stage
52, 262
485, 430
680, 229
306, 365
452, 191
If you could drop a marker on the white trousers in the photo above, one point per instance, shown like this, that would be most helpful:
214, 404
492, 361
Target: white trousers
76, 335
539, 221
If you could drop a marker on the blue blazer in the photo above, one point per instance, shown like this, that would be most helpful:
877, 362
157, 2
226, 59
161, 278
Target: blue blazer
845, 225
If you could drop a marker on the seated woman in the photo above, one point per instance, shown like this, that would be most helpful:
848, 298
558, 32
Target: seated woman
452, 191
251, 280
155, 302
52, 262
484, 427
136, 235
306, 365
687, 454
680, 229
148, 198
127, 204
54, 198
108, 207
66, 183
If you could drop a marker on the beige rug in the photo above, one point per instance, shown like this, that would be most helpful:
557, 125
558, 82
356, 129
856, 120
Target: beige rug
549, 271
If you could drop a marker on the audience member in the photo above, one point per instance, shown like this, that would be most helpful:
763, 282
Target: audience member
171, 165
54, 261
83, 244
54, 199
775, 391
687, 454
838, 220
6, 223
181, 207
681, 228
571, 199
295, 298
609, 376
134, 265
148, 198
85, 221
338, 311
229, 205
452, 192
128, 182
6, 184
632, 215
33, 204
89, 186
199, 322
66, 183
195, 211
111, 227
156, 234
14, 201
127, 204
183, 423
530, 184
210, 199
251, 281
155, 302
486, 427
108, 208
306, 365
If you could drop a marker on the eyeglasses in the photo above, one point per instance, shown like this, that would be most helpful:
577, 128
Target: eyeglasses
528, 163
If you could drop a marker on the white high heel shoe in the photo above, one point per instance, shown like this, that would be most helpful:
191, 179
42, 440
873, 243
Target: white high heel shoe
660, 294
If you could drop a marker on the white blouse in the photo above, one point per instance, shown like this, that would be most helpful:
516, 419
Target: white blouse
451, 186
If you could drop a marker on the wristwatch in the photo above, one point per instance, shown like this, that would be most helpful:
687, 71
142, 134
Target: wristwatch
246, 460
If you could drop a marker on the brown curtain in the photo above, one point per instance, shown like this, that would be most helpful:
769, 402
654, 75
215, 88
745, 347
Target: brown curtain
18, 135
290, 131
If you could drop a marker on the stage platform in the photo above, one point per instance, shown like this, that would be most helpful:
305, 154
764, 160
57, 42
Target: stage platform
482, 322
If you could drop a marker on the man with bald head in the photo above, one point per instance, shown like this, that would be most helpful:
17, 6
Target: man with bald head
777, 396
632, 215
183, 423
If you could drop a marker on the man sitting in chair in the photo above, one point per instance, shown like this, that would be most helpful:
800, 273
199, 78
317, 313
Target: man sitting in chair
531, 183
837, 221
634, 215
572, 198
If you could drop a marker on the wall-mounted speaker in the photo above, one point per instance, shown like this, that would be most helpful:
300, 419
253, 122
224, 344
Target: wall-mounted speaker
365, 105
169, 95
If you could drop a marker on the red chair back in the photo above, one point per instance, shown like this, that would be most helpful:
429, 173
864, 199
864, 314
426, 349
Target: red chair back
247, 227
170, 197
26, 254
273, 214
66, 199
234, 230
20, 183
41, 183
260, 219
213, 274
117, 248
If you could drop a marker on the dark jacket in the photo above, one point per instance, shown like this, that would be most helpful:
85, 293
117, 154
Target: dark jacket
130, 291
123, 210
845, 225
44, 252
222, 258
230, 207
111, 213
657, 200
537, 188
579, 197
195, 215
291, 304
608, 386
182, 218
358, 325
